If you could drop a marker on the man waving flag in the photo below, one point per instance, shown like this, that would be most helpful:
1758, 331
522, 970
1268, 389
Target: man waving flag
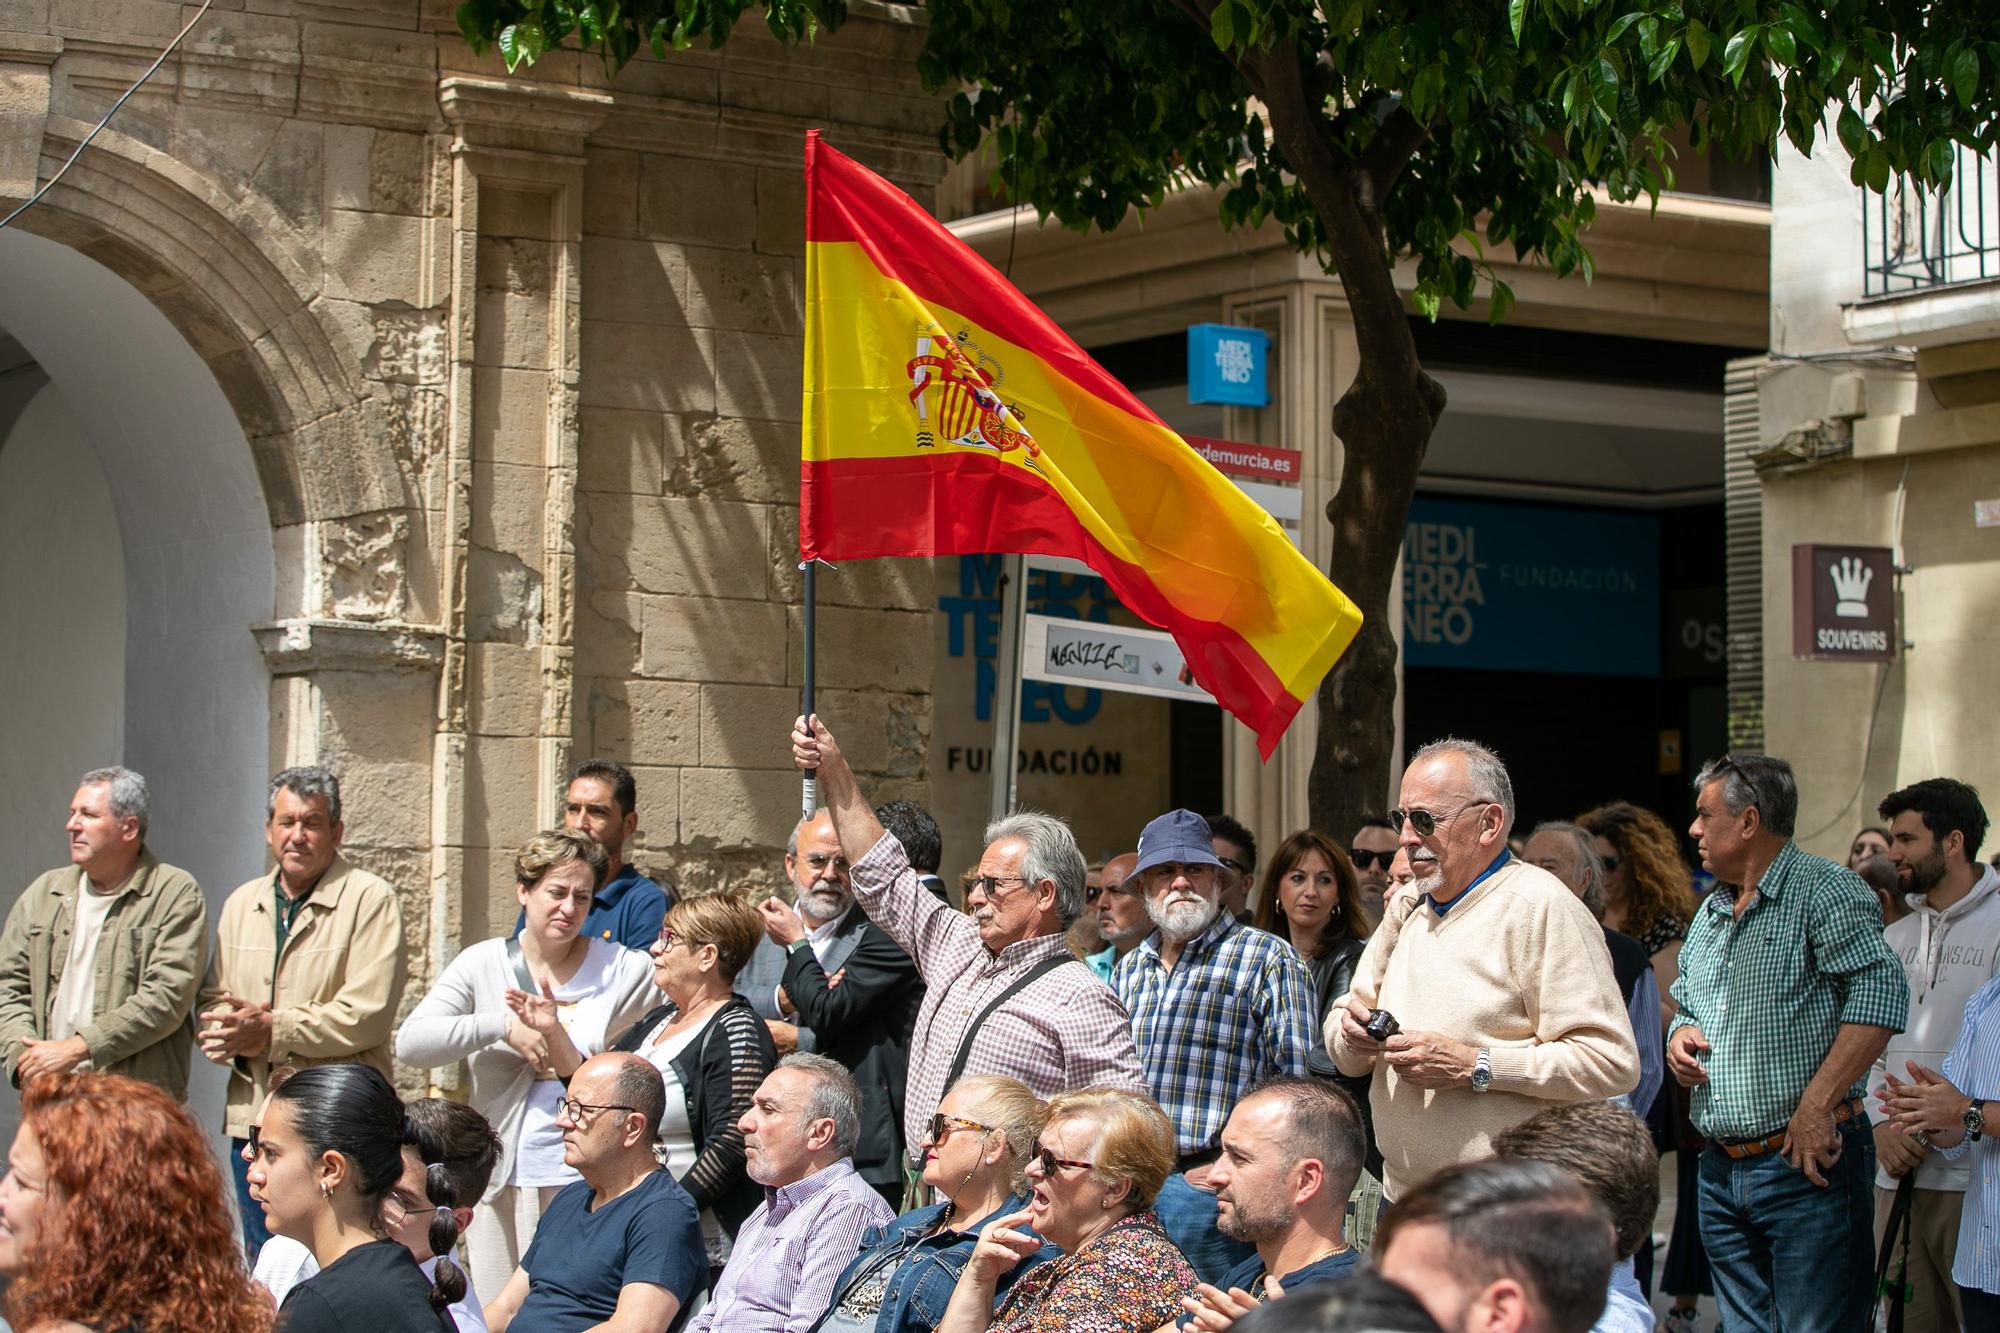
946, 415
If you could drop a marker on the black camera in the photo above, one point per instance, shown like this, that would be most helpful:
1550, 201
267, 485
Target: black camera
1381, 1025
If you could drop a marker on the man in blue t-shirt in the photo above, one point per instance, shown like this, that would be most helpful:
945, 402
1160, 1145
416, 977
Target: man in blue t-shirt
602, 799
1291, 1152
624, 1243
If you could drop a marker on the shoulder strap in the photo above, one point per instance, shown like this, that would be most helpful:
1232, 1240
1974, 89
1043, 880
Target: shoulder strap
1032, 975
519, 966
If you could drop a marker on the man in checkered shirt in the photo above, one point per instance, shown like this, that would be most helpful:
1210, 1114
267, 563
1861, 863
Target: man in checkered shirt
1217, 1008
1787, 995
1063, 1029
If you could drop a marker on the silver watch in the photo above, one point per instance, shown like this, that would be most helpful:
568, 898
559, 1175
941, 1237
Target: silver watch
1482, 1071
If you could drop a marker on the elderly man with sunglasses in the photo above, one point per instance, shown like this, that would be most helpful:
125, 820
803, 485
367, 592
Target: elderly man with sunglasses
1496, 976
1003, 995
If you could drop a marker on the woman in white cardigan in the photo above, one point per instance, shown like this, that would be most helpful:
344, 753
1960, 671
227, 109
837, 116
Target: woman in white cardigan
474, 1013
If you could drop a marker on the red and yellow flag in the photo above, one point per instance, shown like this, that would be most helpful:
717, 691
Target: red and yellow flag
946, 415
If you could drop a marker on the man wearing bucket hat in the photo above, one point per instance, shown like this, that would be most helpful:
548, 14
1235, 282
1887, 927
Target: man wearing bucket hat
1217, 1007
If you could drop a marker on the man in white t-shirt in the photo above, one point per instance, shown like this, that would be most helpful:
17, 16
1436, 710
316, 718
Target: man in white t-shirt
1949, 946
470, 1148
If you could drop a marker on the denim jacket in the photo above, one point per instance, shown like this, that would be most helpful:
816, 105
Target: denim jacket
926, 1267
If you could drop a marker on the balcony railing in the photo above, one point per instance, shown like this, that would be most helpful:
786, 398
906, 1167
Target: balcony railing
1913, 240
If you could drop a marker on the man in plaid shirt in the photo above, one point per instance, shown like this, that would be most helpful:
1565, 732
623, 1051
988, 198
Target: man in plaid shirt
1787, 995
1217, 1008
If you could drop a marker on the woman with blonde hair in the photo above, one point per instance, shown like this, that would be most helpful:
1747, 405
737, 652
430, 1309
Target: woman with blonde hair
975, 1155
523, 1011
712, 1050
1093, 1173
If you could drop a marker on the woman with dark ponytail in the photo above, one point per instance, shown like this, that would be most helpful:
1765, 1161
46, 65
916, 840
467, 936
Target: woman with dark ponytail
329, 1156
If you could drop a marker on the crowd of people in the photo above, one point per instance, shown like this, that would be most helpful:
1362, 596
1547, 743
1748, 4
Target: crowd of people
1132, 1097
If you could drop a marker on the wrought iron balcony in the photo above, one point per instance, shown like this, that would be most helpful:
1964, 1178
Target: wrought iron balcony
1913, 240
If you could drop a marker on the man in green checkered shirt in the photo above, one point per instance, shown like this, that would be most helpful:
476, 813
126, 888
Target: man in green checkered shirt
1787, 994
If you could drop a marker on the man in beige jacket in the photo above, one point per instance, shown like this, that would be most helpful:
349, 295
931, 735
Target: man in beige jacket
100, 960
309, 965
1498, 976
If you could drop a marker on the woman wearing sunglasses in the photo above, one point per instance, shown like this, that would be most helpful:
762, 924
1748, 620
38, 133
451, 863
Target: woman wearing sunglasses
523, 1012
1092, 1175
713, 1050
975, 1152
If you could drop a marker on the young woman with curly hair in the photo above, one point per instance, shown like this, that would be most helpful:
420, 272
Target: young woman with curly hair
113, 1216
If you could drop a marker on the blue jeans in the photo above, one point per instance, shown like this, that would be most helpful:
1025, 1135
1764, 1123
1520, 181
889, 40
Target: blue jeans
254, 1234
1187, 1215
1787, 1255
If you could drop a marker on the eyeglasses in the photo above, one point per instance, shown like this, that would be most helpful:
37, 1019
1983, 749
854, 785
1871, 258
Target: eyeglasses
819, 861
942, 1124
1093, 892
669, 937
574, 1109
407, 1210
989, 885
1611, 862
1363, 858
1426, 823
253, 1145
1045, 1157
1234, 864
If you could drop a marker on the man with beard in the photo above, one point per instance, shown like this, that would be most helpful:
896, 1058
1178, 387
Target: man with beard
1291, 1153
1495, 973
1121, 914
1950, 947
844, 989
1216, 1008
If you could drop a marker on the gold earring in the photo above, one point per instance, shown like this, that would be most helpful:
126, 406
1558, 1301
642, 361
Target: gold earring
326, 1194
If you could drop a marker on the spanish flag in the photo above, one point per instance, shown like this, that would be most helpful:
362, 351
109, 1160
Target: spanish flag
946, 415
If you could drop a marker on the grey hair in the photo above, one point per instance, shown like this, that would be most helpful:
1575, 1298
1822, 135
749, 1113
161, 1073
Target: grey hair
792, 843
833, 1096
1762, 780
1588, 862
1052, 854
1483, 766
306, 782
129, 796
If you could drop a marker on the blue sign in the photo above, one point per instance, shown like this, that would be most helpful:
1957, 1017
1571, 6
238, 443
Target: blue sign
1531, 588
1227, 365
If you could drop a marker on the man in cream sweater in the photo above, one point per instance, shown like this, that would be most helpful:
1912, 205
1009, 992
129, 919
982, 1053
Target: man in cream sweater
1496, 973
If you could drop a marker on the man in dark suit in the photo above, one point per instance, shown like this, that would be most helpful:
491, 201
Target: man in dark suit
842, 988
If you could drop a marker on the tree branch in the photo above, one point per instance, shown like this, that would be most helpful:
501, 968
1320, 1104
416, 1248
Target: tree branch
1395, 142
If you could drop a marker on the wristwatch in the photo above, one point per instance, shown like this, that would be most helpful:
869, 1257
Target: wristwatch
1482, 1071
800, 943
1975, 1122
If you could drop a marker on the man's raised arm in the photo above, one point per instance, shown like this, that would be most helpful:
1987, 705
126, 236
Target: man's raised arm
854, 820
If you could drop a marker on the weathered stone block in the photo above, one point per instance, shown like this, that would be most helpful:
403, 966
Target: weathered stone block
650, 367
712, 639
501, 777
889, 584
758, 375
514, 304
510, 416
864, 649
750, 292
659, 806
730, 458
621, 452
748, 726
607, 634
698, 201
702, 547
737, 807
646, 721
781, 212
375, 257
503, 685
611, 192
639, 282
507, 505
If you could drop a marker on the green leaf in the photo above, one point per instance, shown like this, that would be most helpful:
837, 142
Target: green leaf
1501, 303
1618, 28
1663, 60
1428, 302
1964, 76
1517, 14
1222, 25
1698, 42
1877, 171
1736, 55
1803, 25
1853, 133
510, 46
1779, 42
1940, 158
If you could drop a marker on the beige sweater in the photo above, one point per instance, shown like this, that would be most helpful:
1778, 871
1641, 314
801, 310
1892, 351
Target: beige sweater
1517, 966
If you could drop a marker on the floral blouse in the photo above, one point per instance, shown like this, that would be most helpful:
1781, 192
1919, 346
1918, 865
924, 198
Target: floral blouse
1130, 1279
1666, 928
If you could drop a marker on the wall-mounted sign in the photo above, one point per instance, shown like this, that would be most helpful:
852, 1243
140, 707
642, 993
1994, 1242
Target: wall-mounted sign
1498, 587
1106, 657
1844, 603
1258, 462
1227, 364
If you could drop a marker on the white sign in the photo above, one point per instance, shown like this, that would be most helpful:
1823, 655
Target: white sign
1106, 657
1986, 513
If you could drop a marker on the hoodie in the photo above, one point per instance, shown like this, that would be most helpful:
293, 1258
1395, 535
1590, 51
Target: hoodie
1946, 956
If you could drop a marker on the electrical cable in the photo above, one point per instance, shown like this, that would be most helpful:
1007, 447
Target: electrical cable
34, 198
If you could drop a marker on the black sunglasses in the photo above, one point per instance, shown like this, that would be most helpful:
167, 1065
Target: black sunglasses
1426, 823
1363, 858
942, 1124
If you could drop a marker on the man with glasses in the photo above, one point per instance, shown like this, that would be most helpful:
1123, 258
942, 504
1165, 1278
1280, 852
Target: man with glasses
797, 1136
1217, 1007
622, 1247
1373, 850
845, 988
1495, 973
1787, 996
1003, 993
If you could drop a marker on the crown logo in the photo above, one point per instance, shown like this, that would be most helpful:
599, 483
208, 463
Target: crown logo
1851, 577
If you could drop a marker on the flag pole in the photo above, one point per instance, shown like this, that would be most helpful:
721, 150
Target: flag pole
1007, 688
809, 788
